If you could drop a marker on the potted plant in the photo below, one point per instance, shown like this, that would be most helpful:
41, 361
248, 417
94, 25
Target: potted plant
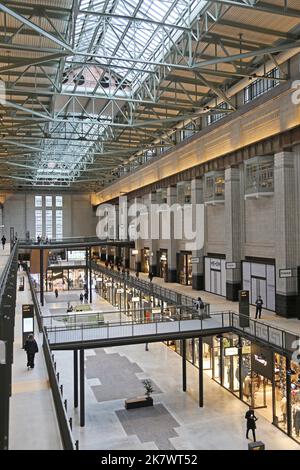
148, 388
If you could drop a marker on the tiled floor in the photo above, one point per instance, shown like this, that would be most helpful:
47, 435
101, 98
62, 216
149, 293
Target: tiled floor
33, 423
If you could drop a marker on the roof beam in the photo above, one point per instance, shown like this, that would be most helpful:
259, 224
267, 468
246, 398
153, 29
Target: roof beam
254, 5
22, 19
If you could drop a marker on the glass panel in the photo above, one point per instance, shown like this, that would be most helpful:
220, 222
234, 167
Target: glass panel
280, 418
48, 201
295, 399
38, 223
49, 223
38, 200
59, 224
58, 201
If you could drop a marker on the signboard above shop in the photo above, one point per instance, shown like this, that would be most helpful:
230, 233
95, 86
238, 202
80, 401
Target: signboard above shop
285, 273
195, 260
231, 265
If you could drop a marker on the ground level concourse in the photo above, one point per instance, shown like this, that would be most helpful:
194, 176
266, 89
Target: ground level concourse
257, 376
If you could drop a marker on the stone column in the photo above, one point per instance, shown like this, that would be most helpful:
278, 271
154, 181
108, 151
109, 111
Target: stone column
233, 231
286, 299
171, 242
138, 241
197, 268
153, 231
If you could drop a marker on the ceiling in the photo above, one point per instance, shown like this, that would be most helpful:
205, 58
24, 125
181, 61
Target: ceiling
89, 86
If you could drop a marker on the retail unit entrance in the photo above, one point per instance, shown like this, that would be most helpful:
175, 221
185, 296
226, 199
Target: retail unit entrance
184, 268
259, 279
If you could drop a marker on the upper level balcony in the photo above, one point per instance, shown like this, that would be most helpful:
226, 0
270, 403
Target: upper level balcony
259, 177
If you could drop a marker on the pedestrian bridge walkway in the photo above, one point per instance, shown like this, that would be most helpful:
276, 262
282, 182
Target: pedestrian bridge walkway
115, 328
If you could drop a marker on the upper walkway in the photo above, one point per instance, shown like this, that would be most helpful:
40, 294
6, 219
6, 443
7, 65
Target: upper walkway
218, 303
102, 329
72, 242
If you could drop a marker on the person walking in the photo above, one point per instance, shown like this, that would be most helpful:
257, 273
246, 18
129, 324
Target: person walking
3, 240
146, 347
150, 276
259, 303
199, 304
86, 297
81, 297
251, 423
56, 293
31, 349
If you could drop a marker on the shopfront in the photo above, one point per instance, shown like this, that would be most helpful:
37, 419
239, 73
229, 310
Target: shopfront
145, 259
163, 264
184, 268
65, 279
215, 275
259, 279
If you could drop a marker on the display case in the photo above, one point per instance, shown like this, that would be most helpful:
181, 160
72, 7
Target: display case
214, 187
259, 177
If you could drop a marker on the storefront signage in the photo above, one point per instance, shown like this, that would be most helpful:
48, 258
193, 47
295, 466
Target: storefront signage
230, 265
163, 258
195, 260
231, 351
134, 252
215, 264
120, 291
284, 273
135, 299
108, 284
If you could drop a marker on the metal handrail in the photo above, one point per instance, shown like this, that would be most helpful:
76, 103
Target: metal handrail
63, 421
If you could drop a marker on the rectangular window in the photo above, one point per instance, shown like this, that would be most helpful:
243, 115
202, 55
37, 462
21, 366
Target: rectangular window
260, 86
49, 223
59, 224
48, 201
211, 118
58, 201
38, 223
38, 201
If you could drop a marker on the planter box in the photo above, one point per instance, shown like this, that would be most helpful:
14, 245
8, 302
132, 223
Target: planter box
138, 402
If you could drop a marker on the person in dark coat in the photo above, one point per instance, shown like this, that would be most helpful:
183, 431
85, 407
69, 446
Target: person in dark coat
259, 303
81, 297
56, 293
3, 240
251, 419
150, 276
31, 349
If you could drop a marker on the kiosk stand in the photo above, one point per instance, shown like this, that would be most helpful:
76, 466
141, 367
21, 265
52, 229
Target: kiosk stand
244, 309
27, 321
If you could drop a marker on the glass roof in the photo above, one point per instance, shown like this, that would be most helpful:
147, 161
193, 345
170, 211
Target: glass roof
117, 36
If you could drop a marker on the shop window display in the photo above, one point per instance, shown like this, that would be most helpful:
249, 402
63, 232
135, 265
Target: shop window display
280, 395
295, 399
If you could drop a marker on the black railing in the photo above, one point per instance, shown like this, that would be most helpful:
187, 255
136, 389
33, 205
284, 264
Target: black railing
61, 411
8, 291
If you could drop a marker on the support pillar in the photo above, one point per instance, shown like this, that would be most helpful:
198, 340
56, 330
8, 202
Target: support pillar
136, 212
82, 397
75, 364
42, 277
288, 397
153, 231
198, 226
201, 382
286, 229
233, 231
171, 242
183, 345
90, 275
